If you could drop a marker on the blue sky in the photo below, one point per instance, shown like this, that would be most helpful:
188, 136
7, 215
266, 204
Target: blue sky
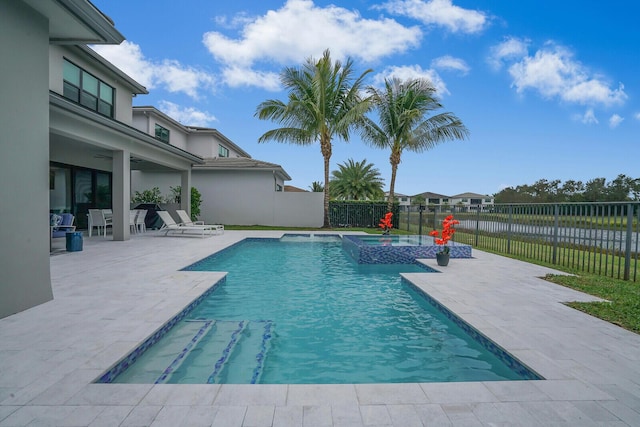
548, 89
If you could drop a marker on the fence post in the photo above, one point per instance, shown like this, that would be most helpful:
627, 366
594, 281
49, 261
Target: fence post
627, 246
509, 223
477, 226
556, 224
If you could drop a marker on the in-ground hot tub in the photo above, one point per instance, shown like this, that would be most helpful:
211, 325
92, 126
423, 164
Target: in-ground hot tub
386, 249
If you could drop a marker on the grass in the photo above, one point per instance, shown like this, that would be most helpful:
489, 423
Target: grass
623, 306
623, 297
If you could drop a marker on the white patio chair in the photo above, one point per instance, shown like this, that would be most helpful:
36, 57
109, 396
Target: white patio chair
140, 224
98, 220
132, 221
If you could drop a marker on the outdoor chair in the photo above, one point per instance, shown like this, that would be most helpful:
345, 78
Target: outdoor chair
60, 225
97, 219
132, 221
171, 226
140, 220
186, 220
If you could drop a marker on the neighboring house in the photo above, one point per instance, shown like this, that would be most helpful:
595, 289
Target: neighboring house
472, 201
292, 189
434, 198
403, 200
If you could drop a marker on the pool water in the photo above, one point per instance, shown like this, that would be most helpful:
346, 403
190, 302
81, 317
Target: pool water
303, 312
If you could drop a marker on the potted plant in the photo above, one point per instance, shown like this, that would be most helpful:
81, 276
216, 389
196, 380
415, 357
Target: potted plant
385, 223
448, 230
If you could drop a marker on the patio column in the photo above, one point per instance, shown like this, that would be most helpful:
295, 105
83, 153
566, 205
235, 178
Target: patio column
185, 194
121, 194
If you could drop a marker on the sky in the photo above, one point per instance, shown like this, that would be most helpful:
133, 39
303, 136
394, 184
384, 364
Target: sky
547, 89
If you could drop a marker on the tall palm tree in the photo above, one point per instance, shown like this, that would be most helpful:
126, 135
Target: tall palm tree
356, 181
406, 121
324, 102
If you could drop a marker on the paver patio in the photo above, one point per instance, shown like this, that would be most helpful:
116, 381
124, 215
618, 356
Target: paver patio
112, 295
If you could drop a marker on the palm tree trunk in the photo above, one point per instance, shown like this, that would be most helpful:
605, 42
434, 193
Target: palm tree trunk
325, 147
392, 185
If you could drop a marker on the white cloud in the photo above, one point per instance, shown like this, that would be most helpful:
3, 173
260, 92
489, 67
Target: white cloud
614, 121
554, 73
299, 30
188, 116
510, 49
412, 72
637, 116
588, 118
448, 62
439, 13
167, 74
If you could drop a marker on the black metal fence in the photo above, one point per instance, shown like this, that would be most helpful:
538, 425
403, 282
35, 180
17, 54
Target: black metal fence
360, 214
599, 238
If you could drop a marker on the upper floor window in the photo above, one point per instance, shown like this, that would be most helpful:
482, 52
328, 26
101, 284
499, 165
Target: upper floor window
162, 133
488, 201
223, 151
86, 89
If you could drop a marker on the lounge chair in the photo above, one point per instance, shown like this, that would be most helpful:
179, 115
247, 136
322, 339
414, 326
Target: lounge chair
171, 226
185, 220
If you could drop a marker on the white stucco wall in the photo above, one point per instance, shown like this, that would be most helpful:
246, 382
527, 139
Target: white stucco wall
249, 198
241, 198
24, 159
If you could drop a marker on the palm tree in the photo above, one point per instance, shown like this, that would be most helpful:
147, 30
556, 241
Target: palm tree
324, 102
316, 187
356, 181
406, 123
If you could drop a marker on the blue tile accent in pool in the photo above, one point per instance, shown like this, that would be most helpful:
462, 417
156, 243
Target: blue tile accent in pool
130, 358
364, 253
513, 363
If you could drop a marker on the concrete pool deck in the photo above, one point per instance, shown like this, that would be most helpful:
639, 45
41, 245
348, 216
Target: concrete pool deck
112, 295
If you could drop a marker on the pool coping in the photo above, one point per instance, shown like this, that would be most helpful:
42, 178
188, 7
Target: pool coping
114, 294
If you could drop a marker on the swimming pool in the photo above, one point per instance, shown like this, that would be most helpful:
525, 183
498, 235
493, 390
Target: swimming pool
301, 311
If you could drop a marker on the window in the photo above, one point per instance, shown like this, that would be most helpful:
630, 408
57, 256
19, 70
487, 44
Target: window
223, 151
488, 201
85, 89
403, 199
162, 133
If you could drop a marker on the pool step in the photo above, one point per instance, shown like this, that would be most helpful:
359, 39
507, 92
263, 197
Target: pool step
177, 362
216, 351
220, 363
244, 362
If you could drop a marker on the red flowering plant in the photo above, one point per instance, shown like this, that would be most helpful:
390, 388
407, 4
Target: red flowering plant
448, 231
385, 223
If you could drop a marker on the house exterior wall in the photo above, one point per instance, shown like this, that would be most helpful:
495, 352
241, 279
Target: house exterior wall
206, 146
123, 98
24, 120
145, 121
249, 198
141, 181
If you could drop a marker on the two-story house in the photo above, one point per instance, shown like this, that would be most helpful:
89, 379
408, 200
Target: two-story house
71, 141
235, 188
472, 201
67, 139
